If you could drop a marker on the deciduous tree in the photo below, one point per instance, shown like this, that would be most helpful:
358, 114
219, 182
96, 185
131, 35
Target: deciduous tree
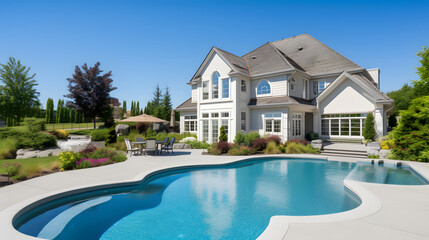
17, 91
90, 90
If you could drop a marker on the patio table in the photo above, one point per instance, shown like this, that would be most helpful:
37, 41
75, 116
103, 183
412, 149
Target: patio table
141, 143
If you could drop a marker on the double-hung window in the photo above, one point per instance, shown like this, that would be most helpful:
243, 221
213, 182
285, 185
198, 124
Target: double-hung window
225, 88
215, 85
243, 121
243, 85
273, 123
205, 90
319, 86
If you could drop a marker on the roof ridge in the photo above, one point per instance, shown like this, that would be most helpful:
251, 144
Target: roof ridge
292, 37
255, 49
281, 56
332, 50
226, 51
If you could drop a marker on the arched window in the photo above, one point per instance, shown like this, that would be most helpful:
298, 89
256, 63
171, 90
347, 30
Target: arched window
215, 85
264, 88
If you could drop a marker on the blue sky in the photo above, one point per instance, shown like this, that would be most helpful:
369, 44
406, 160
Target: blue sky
148, 42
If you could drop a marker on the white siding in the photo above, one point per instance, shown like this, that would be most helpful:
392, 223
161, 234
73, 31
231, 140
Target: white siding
216, 64
278, 86
195, 92
348, 97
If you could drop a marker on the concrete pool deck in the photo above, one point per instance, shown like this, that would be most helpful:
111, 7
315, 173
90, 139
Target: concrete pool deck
391, 212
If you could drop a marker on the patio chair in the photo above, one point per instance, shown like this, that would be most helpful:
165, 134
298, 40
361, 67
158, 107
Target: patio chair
150, 146
164, 142
169, 146
130, 149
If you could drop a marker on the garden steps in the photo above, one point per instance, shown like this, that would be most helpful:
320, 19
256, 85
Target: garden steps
344, 150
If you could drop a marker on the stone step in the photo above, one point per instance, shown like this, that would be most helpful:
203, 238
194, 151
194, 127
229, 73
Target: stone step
353, 151
334, 154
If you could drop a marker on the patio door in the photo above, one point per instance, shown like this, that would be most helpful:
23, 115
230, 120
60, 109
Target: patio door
297, 125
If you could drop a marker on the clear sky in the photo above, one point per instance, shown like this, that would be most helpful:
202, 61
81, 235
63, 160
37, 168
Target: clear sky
145, 43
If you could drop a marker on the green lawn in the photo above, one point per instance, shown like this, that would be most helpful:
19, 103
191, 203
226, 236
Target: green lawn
52, 126
32, 166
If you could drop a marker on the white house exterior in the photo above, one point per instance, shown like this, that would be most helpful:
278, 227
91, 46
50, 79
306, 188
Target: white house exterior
288, 88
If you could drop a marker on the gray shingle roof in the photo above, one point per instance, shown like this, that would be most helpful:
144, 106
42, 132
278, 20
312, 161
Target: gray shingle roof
266, 59
238, 64
188, 104
314, 56
370, 84
263, 101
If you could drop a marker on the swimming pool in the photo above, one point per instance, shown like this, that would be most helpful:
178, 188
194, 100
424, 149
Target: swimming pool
224, 202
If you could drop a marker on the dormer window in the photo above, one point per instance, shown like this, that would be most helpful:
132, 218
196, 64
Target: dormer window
215, 85
263, 88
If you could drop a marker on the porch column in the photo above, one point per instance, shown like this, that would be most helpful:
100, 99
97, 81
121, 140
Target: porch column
379, 120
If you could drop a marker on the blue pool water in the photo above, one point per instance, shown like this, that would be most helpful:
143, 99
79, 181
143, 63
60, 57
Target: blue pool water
229, 202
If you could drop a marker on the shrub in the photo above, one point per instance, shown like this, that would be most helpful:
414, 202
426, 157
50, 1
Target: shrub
142, 127
373, 156
215, 151
387, 144
110, 136
411, 136
241, 150
223, 146
120, 145
240, 138
282, 148
103, 153
12, 169
369, 130
119, 158
98, 135
68, 160
303, 141
424, 156
198, 144
8, 148
274, 138
294, 147
272, 148
35, 140
35, 124
259, 144
311, 136
87, 150
223, 136
60, 134
250, 137
89, 162
310, 149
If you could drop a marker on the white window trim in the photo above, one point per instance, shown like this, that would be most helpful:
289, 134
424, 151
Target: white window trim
272, 123
264, 94
229, 88
301, 120
195, 120
208, 90
210, 121
362, 119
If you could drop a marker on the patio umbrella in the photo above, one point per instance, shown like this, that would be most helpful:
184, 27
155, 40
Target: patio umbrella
143, 118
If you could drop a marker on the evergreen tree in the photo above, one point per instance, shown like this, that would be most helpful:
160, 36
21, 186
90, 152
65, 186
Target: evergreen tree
167, 106
58, 113
369, 130
137, 110
132, 109
124, 109
49, 110
141, 111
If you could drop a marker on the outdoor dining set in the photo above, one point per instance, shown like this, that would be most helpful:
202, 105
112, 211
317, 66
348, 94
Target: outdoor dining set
150, 146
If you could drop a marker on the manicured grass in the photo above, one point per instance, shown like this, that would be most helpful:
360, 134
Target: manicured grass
52, 126
32, 166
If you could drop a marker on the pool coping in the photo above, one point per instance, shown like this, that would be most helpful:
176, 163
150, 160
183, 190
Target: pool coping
276, 229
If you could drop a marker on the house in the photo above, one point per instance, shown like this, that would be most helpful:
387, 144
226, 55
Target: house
288, 88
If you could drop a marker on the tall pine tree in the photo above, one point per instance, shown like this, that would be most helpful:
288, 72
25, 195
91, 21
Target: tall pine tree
49, 118
167, 106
